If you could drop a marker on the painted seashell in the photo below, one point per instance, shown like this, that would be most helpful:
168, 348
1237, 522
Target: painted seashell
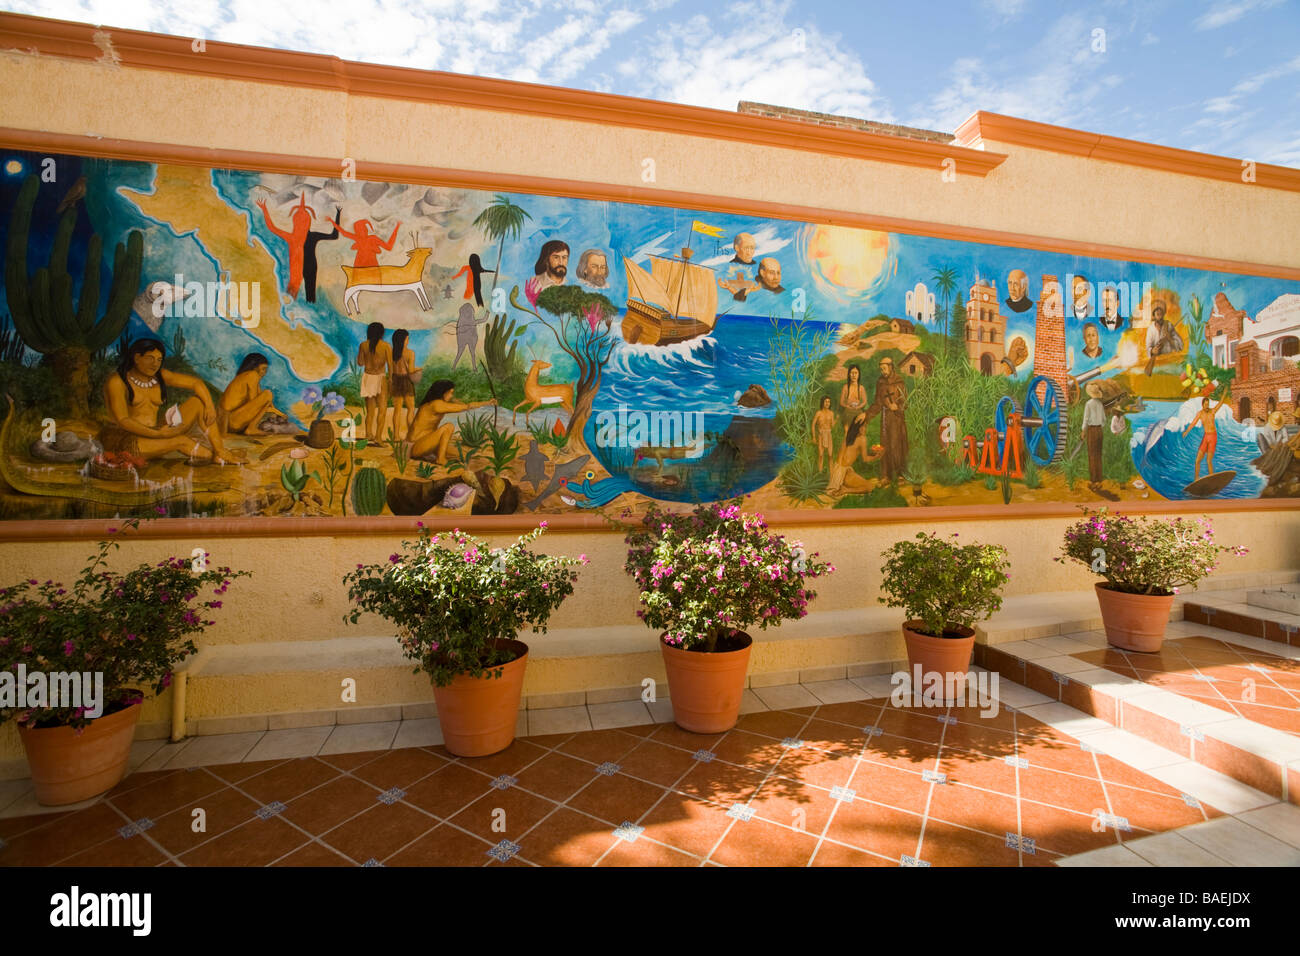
457, 495
299, 453
1139, 484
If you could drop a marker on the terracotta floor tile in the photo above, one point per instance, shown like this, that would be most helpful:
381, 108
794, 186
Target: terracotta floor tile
640, 730
833, 854
73, 833
1057, 755
378, 832
912, 725
794, 805
1278, 718
855, 713
509, 761
886, 831
313, 854
616, 798
756, 842
139, 779
600, 746
222, 811
326, 807
556, 776
1065, 790
235, 772
988, 740
549, 741
947, 845
988, 771
503, 814
992, 813
1151, 811
353, 760
721, 783
255, 843
893, 786
11, 827
750, 750
443, 846
290, 779
686, 823
822, 770
116, 851
773, 723
1062, 831
642, 852
901, 752
399, 768
567, 838
842, 739
657, 763
166, 794
448, 791
674, 736
1004, 719
1112, 771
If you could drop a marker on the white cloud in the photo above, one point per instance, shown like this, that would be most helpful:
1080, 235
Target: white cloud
1221, 14
1150, 39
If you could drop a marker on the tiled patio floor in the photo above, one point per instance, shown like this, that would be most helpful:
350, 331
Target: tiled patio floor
855, 783
1240, 680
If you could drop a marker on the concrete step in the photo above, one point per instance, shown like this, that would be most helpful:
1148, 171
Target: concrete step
1236, 611
1286, 598
1249, 734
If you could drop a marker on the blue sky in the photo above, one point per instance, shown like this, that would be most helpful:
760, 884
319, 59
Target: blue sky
1221, 76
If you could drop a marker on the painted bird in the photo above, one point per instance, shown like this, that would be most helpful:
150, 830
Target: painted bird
72, 196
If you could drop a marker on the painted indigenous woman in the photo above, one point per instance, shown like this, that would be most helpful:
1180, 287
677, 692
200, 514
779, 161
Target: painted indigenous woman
135, 398
853, 396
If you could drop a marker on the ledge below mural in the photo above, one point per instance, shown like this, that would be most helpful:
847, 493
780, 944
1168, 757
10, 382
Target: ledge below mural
209, 343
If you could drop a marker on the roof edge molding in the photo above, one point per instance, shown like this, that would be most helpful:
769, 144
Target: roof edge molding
153, 51
996, 128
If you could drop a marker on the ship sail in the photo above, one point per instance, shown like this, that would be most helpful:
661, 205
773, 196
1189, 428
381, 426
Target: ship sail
644, 286
692, 289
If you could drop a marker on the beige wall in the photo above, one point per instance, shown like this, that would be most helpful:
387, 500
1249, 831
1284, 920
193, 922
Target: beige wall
296, 592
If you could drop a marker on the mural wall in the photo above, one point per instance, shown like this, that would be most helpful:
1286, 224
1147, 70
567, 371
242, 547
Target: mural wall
218, 342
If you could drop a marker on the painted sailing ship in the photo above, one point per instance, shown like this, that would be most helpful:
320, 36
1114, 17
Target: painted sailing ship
674, 301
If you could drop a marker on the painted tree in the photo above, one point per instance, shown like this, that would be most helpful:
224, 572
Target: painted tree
42, 307
501, 219
580, 323
945, 280
957, 332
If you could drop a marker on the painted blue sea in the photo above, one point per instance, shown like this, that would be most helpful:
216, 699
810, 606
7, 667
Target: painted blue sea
1165, 457
701, 379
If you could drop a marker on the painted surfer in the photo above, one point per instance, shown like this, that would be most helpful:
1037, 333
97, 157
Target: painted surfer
1205, 417
376, 360
429, 437
245, 404
135, 397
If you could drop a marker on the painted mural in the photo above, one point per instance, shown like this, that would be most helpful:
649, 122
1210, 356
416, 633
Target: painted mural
207, 342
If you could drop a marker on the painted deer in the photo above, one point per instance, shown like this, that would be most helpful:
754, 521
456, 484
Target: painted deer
536, 394
403, 278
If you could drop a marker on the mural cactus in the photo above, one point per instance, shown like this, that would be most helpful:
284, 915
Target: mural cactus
369, 490
41, 304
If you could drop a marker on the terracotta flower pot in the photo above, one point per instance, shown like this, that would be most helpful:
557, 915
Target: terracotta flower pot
705, 688
478, 715
68, 767
942, 655
1134, 622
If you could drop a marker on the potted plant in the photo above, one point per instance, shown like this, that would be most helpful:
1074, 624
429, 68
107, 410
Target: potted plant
704, 577
944, 588
321, 432
81, 659
1144, 562
459, 607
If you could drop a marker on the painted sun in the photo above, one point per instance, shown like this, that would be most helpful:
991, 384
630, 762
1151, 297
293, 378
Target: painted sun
846, 262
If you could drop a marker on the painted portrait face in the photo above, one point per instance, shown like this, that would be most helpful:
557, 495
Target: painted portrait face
1157, 309
148, 363
826, 402
1110, 302
769, 274
597, 269
1082, 293
854, 374
558, 264
886, 367
1090, 337
1017, 284
746, 246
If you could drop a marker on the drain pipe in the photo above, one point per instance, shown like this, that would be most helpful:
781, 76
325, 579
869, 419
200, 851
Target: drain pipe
178, 705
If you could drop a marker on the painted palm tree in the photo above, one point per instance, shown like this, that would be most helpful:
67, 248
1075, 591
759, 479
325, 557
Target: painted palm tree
945, 281
500, 220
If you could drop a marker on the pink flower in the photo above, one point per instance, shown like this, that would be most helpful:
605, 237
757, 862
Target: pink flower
68, 647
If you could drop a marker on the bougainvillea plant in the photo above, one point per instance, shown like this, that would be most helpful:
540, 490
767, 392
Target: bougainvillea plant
455, 601
706, 575
132, 628
942, 584
1144, 555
